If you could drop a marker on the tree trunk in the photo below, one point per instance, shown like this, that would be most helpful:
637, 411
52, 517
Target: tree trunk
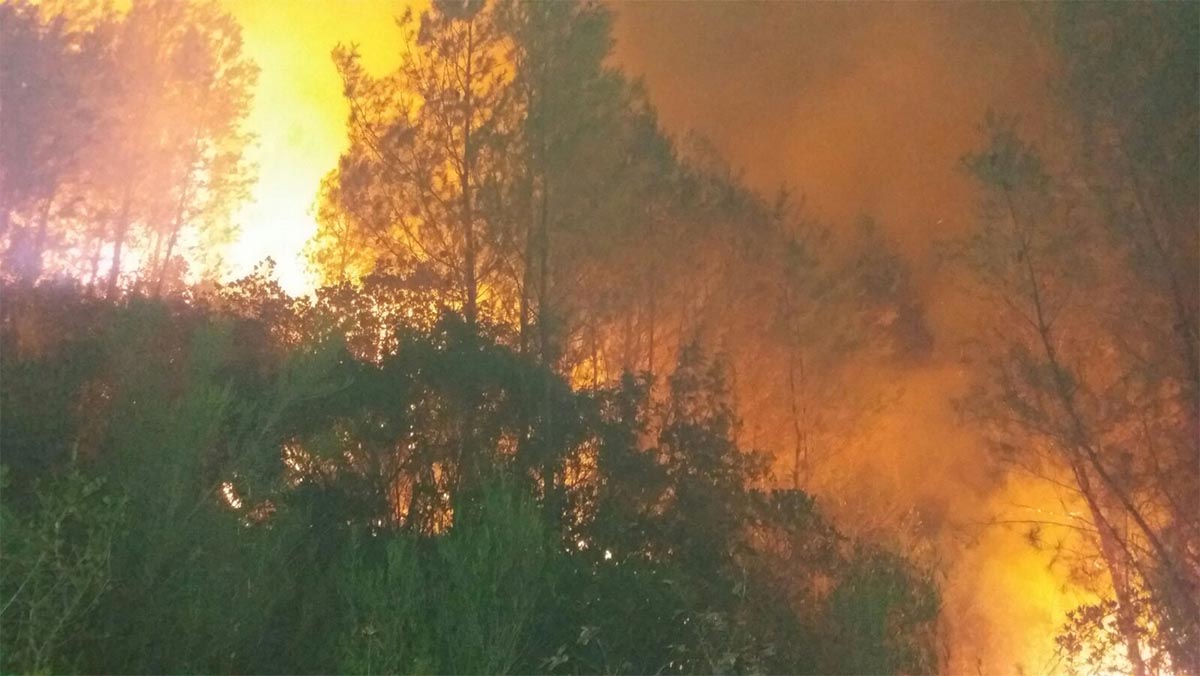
1117, 561
470, 309
652, 283
523, 310
627, 360
545, 309
595, 354
1184, 320
166, 262
526, 309
114, 272
1084, 455
94, 275
800, 451
31, 271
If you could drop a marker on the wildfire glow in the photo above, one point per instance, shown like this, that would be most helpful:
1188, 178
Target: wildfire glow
913, 476
299, 117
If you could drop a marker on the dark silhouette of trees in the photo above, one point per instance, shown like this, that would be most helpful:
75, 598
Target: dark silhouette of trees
45, 122
1090, 375
605, 245
426, 149
287, 506
123, 138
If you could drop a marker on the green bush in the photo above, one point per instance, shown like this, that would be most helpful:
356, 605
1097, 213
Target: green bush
457, 508
55, 565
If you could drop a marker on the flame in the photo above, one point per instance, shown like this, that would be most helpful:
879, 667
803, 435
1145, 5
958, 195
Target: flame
299, 117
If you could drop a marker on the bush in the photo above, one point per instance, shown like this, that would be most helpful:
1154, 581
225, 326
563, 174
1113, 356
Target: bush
217, 499
55, 566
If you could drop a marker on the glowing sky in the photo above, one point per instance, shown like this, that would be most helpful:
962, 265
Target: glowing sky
299, 116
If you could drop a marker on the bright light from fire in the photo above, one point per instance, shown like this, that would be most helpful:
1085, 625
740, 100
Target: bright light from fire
299, 117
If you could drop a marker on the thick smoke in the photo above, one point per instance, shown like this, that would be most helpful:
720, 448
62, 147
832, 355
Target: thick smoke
866, 108
860, 107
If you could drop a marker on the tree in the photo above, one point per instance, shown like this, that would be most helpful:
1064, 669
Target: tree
426, 143
379, 513
1129, 86
707, 475
178, 95
1067, 397
464, 606
45, 121
134, 124
57, 565
570, 181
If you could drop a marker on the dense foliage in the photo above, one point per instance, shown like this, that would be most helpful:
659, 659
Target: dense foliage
191, 488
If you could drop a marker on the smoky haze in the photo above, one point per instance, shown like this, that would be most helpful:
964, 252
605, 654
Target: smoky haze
866, 109
861, 107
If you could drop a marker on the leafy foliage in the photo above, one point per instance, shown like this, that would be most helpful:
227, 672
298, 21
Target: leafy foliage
286, 507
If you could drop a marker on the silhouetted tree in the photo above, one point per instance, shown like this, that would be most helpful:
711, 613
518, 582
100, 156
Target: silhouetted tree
134, 123
426, 142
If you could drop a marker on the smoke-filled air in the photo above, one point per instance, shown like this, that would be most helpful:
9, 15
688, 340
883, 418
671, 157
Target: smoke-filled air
578, 337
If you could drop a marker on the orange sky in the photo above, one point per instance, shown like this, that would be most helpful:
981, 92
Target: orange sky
861, 107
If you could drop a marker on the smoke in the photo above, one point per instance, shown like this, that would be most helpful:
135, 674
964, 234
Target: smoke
866, 108
861, 108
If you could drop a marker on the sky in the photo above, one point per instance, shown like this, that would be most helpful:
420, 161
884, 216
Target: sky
862, 108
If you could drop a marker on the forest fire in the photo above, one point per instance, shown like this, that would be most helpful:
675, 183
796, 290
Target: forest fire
298, 120
599, 337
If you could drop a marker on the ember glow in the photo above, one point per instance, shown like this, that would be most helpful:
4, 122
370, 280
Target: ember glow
645, 337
